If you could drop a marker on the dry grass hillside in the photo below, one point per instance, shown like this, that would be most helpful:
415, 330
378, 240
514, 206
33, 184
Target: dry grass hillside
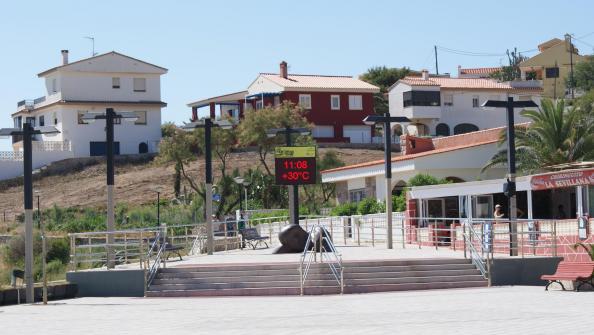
135, 183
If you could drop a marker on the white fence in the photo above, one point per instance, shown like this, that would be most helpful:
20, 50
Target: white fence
44, 153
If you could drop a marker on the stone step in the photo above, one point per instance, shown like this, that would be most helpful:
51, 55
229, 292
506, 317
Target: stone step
313, 270
295, 265
281, 291
311, 283
198, 278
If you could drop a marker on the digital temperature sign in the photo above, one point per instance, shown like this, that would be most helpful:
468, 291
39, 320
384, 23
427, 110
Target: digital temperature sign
295, 165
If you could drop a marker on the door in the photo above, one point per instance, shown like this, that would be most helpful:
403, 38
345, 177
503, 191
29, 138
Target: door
99, 148
482, 206
323, 132
358, 134
142, 148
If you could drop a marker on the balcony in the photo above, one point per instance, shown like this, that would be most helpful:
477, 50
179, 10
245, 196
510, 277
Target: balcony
31, 104
422, 112
529, 84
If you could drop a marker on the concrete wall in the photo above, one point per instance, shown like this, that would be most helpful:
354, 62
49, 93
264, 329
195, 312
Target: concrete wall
14, 168
112, 283
523, 271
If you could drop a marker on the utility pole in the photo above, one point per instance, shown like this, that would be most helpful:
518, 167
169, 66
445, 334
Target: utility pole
436, 64
568, 36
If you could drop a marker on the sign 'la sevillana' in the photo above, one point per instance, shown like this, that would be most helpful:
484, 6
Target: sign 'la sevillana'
295, 165
562, 179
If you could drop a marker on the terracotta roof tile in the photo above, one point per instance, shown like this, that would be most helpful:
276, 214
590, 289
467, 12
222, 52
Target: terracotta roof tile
321, 82
480, 70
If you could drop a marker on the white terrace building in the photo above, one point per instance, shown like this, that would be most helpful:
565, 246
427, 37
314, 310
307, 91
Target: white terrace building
92, 85
443, 106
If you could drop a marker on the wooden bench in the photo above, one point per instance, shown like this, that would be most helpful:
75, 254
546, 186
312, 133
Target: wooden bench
252, 238
581, 272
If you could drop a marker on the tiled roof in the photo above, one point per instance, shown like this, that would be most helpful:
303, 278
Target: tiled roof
442, 144
459, 83
480, 70
295, 81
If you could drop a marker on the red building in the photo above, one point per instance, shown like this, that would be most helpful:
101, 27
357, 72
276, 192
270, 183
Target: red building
336, 105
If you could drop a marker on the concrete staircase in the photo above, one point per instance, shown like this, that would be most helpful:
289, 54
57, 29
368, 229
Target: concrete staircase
283, 278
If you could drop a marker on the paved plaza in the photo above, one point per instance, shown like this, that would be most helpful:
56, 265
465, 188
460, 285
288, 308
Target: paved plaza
497, 310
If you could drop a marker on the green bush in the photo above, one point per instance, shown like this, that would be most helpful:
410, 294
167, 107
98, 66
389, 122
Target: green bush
423, 179
345, 209
58, 249
399, 202
369, 206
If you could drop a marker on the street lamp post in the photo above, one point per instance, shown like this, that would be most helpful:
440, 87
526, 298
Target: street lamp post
207, 124
386, 120
293, 190
110, 116
510, 187
158, 190
41, 227
27, 133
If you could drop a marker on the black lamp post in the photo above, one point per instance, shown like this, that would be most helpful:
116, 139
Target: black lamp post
510, 186
41, 227
207, 124
158, 190
293, 190
27, 133
386, 121
110, 116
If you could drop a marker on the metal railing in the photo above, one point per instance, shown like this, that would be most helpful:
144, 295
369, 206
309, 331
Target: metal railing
471, 250
319, 241
154, 256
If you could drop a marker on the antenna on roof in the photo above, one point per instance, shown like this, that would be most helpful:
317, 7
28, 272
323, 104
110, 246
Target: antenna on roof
93, 53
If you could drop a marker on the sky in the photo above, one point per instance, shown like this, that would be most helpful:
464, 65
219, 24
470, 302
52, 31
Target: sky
217, 47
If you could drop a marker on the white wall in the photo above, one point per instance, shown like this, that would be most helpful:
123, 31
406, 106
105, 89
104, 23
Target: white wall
12, 169
98, 87
261, 84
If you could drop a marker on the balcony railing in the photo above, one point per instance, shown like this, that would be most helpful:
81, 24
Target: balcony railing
30, 103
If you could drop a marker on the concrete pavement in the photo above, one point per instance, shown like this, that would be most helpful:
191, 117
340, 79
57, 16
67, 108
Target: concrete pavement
498, 310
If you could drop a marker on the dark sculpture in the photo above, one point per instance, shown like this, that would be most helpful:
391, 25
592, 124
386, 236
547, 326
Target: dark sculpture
293, 239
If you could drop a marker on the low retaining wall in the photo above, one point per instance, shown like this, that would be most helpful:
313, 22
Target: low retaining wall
108, 283
54, 292
522, 271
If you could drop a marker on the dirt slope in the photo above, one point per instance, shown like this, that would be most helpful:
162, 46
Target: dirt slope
135, 183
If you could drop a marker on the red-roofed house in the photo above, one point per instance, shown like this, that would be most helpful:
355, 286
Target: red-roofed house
458, 158
441, 106
477, 72
336, 105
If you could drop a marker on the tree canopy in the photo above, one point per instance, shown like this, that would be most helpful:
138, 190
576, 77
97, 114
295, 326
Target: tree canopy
583, 74
383, 77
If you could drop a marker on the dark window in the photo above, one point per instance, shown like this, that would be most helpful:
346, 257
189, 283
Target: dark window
31, 121
41, 121
552, 72
18, 122
464, 128
142, 148
442, 129
100, 148
421, 98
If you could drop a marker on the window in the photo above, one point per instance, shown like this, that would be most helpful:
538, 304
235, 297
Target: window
18, 122
355, 102
356, 195
41, 120
259, 104
30, 120
475, 101
115, 82
464, 128
335, 102
55, 117
442, 129
448, 99
305, 101
323, 132
54, 85
141, 117
552, 72
276, 100
421, 98
80, 115
139, 84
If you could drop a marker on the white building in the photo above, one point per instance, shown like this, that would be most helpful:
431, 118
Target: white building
92, 85
442, 106
457, 158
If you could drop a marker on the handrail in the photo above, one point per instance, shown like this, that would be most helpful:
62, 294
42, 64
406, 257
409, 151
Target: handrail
477, 258
154, 267
330, 255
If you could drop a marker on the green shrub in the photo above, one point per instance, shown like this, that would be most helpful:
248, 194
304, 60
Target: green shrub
399, 203
369, 206
58, 249
345, 209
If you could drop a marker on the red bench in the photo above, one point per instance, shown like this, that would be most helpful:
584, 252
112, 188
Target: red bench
580, 272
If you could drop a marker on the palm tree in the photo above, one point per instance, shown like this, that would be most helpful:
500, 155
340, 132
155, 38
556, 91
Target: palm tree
556, 135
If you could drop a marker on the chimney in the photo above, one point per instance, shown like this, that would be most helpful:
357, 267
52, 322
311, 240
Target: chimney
459, 71
283, 70
425, 74
64, 57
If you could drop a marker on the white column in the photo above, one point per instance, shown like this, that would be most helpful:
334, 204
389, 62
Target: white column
529, 198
